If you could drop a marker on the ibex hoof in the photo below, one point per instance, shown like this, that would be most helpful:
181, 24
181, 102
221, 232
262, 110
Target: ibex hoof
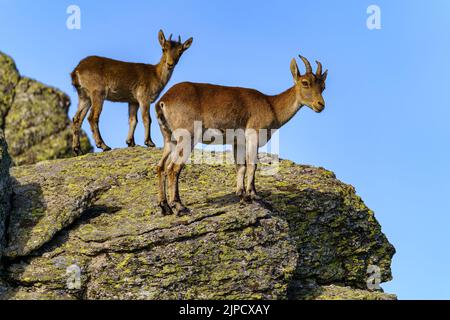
76, 151
165, 209
240, 193
255, 197
106, 149
150, 144
179, 209
131, 143
183, 212
250, 197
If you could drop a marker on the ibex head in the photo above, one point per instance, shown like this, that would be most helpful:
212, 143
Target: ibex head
172, 50
309, 87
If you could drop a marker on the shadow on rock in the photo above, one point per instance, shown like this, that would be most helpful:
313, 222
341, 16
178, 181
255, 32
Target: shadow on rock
225, 199
27, 209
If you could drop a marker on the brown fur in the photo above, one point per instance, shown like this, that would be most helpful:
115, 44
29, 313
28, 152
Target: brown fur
97, 79
222, 108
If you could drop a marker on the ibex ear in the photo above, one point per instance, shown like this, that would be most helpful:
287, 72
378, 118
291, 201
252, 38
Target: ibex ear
294, 70
324, 75
161, 38
187, 43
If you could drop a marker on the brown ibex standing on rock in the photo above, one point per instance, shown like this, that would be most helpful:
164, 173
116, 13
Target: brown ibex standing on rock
97, 79
222, 108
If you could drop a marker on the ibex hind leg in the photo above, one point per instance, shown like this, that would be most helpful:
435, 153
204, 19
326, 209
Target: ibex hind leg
146, 119
251, 160
239, 159
162, 178
163, 163
84, 104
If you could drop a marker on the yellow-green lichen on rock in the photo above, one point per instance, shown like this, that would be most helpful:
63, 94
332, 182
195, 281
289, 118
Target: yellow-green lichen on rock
34, 117
310, 236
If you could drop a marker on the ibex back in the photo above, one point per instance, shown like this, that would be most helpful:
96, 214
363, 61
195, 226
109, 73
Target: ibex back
223, 108
97, 79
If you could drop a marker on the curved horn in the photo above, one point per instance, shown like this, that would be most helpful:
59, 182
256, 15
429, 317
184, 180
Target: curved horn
319, 69
170, 38
307, 64
179, 39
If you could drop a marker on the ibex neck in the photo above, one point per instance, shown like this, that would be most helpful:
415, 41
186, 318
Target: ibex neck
285, 105
163, 72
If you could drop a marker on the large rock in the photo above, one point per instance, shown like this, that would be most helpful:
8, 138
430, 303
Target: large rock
9, 77
89, 228
34, 117
5, 190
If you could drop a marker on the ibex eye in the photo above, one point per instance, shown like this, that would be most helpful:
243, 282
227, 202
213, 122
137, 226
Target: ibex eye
305, 83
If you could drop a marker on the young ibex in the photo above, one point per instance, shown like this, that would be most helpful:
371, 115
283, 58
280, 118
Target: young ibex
97, 79
223, 108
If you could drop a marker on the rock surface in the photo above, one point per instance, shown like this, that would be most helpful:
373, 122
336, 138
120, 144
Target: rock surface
34, 118
5, 190
333, 292
89, 228
9, 77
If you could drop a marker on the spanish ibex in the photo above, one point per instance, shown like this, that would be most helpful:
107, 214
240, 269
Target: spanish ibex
224, 108
97, 79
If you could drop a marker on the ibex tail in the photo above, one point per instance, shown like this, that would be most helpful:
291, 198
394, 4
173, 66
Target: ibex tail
161, 118
75, 80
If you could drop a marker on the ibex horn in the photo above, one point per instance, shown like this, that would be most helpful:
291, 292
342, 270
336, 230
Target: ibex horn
179, 39
170, 38
319, 69
307, 64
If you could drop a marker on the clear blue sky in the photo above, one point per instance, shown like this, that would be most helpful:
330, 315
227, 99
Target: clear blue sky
386, 127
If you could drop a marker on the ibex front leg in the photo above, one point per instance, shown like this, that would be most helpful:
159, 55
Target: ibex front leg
84, 103
94, 116
147, 120
251, 137
239, 159
132, 121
